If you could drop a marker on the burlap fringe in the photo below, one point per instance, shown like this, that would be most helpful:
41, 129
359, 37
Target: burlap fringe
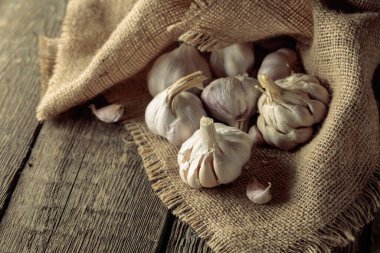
204, 42
338, 233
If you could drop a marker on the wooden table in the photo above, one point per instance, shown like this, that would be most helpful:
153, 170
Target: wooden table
73, 184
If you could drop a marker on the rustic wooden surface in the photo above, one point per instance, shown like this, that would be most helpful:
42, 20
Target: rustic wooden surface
20, 24
74, 184
83, 190
183, 239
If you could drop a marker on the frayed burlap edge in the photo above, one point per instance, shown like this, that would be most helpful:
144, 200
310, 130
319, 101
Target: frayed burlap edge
203, 41
339, 232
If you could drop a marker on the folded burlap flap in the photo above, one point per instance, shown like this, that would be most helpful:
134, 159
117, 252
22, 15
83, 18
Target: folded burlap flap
323, 192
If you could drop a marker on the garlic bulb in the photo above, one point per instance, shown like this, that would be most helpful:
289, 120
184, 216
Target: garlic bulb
258, 193
233, 60
175, 113
232, 100
279, 64
289, 108
214, 155
174, 65
108, 114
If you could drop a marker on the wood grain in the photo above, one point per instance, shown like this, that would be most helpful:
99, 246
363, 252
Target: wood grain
84, 190
183, 239
20, 24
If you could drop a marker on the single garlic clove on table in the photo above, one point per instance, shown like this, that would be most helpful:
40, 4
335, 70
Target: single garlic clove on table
232, 60
213, 155
109, 114
289, 108
258, 193
175, 113
232, 100
174, 65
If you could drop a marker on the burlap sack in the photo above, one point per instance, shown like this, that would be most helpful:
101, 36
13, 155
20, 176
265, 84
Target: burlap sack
323, 192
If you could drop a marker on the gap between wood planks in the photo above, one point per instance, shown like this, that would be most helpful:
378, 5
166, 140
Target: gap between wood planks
20, 24
18, 173
166, 232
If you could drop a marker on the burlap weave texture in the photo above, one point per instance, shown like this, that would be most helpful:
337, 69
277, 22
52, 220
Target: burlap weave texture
323, 192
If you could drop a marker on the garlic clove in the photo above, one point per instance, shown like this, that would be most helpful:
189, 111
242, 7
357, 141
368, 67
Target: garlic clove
207, 177
258, 193
224, 175
256, 136
284, 141
183, 170
233, 60
170, 67
109, 114
193, 173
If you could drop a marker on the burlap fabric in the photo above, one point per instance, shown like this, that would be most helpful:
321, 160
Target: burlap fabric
322, 193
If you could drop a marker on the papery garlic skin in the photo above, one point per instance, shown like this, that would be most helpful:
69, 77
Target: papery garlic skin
258, 193
176, 118
178, 126
279, 64
232, 100
109, 114
289, 108
174, 65
233, 60
256, 136
213, 155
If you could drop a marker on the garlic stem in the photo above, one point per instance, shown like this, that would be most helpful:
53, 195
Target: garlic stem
208, 132
193, 80
265, 93
273, 90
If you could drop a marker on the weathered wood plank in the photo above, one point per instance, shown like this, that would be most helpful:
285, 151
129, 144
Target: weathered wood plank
20, 23
84, 190
183, 239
